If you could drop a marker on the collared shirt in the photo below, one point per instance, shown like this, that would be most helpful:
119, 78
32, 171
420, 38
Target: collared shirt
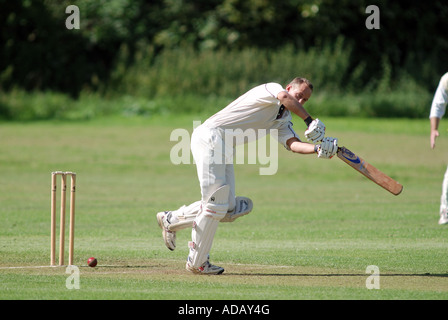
257, 111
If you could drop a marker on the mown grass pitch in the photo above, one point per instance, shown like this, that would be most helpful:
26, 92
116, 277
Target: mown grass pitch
316, 225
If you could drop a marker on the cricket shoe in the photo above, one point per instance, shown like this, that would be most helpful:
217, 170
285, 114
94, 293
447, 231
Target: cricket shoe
163, 219
207, 268
443, 217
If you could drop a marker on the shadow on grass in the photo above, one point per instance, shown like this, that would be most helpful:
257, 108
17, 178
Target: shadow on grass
258, 274
444, 275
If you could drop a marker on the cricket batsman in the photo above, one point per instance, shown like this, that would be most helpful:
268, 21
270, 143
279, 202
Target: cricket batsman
438, 108
266, 108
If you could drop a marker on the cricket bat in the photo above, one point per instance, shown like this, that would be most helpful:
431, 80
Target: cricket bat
362, 166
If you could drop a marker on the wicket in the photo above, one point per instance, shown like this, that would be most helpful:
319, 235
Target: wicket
62, 219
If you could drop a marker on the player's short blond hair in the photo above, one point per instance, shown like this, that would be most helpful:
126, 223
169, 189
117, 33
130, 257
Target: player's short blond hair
299, 81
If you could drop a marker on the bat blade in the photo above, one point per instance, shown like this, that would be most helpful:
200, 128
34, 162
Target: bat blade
369, 171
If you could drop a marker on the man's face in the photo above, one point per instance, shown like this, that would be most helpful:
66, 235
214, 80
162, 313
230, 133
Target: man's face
300, 92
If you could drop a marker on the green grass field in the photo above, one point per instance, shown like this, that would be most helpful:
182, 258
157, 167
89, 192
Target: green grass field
315, 227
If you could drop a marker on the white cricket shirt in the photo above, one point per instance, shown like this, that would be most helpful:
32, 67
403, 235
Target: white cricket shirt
255, 111
440, 99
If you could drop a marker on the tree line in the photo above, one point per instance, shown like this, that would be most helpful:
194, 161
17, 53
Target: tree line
38, 52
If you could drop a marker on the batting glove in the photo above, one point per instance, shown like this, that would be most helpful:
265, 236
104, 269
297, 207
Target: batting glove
328, 148
315, 131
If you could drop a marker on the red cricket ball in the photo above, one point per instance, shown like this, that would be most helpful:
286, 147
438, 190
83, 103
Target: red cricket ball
92, 262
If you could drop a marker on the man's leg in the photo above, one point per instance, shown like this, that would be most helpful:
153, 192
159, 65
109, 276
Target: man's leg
444, 200
172, 221
184, 216
204, 229
210, 156
183, 220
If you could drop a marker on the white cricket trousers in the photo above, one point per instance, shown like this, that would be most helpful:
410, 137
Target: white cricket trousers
213, 158
214, 161
444, 197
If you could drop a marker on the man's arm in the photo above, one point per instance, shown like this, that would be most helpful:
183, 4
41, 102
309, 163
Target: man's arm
434, 130
326, 150
298, 146
292, 105
315, 131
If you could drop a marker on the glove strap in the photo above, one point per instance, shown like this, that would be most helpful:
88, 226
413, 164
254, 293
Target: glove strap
308, 121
